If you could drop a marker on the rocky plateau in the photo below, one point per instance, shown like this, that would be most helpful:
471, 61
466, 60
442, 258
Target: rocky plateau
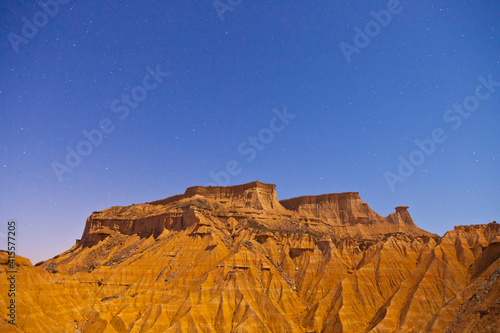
236, 259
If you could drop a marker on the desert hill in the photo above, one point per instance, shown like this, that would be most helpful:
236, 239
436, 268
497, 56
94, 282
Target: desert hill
236, 259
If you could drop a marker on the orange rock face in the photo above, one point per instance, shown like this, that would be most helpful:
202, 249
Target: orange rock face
236, 259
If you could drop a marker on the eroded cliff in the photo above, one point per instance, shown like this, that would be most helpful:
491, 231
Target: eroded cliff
235, 259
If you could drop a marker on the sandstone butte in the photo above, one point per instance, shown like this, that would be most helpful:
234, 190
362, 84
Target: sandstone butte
235, 259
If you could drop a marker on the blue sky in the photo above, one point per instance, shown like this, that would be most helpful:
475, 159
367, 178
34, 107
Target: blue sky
183, 90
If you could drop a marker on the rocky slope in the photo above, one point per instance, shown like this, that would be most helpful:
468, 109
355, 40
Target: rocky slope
235, 259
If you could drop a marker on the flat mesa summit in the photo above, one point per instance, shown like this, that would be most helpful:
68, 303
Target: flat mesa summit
237, 259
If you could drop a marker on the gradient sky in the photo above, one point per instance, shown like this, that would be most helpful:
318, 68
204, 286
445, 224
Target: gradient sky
352, 120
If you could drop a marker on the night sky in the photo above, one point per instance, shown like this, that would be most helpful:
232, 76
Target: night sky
107, 103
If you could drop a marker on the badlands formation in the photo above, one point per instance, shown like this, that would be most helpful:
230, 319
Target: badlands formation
236, 259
